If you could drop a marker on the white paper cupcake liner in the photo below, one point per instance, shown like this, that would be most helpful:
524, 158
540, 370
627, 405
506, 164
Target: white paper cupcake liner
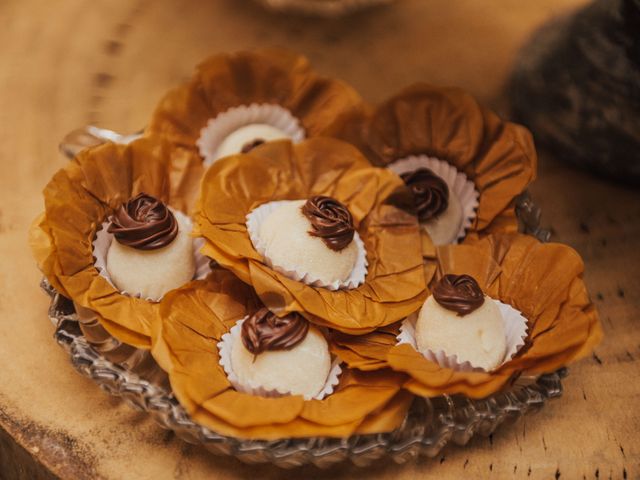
458, 184
227, 122
355, 279
224, 347
515, 326
103, 240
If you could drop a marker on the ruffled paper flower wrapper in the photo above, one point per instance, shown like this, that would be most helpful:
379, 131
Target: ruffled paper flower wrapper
229, 86
395, 283
195, 318
271, 77
78, 199
448, 124
543, 281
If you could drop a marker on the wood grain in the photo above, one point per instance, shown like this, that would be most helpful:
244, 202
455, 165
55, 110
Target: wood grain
67, 63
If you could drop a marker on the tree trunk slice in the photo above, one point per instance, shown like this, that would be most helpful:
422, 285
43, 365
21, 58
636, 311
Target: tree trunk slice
67, 63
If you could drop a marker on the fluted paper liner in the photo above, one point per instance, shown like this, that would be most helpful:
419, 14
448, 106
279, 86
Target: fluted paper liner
262, 77
234, 186
103, 240
227, 122
449, 124
78, 199
458, 183
542, 281
355, 279
193, 321
225, 346
515, 328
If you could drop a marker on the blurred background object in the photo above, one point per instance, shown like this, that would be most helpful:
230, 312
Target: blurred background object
324, 8
576, 85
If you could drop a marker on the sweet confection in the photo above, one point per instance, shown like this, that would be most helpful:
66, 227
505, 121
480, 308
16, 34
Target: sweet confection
271, 217
242, 128
71, 240
460, 320
248, 137
537, 288
284, 354
449, 126
438, 209
195, 346
313, 236
152, 251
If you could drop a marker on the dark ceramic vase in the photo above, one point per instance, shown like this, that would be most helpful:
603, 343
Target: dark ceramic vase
576, 85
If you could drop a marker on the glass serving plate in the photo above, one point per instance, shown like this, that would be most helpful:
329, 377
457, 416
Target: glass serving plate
430, 425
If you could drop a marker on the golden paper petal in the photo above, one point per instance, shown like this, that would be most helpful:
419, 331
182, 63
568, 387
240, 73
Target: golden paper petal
194, 318
543, 281
366, 352
78, 199
395, 283
43, 250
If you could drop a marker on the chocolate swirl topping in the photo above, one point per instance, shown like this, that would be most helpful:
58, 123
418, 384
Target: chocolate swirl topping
250, 145
264, 331
144, 222
430, 192
330, 220
458, 293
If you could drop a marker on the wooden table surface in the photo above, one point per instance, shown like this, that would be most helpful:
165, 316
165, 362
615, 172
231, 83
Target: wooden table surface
67, 63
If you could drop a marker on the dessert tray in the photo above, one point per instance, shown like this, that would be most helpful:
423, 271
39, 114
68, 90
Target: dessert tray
280, 272
430, 425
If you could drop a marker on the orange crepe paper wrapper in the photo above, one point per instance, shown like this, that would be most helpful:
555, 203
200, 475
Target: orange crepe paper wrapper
395, 284
446, 123
193, 320
543, 281
272, 76
77, 200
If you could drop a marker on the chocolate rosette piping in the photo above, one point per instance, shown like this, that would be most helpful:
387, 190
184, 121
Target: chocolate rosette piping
430, 192
144, 223
330, 220
458, 293
264, 331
